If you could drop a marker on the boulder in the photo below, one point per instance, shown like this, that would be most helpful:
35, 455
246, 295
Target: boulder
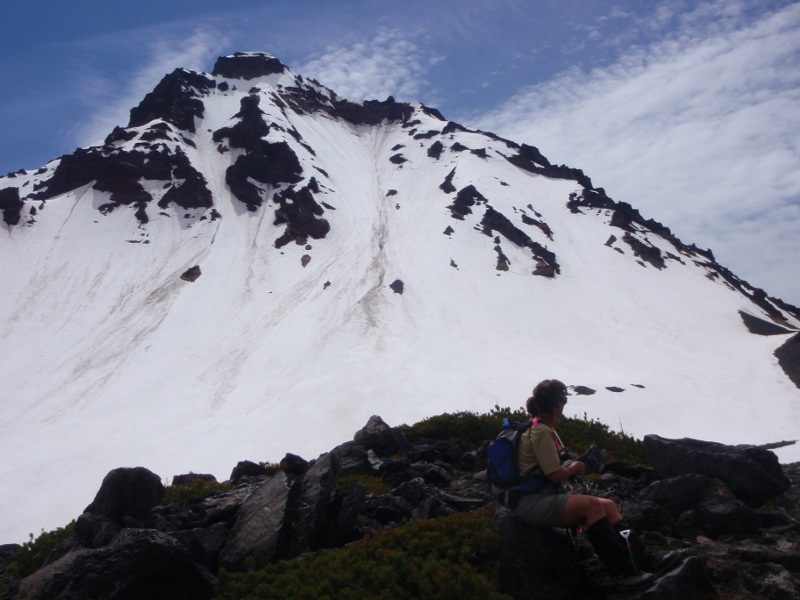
476, 460
732, 517
431, 508
377, 436
204, 544
753, 474
247, 468
436, 450
352, 459
536, 563
342, 524
296, 465
139, 563
686, 492
258, 529
689, 580
769, 581
127, 496
95, 531
414, 491
433, 473
310, 509
388, 509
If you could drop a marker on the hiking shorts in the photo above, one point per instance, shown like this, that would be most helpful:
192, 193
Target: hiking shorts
543, 509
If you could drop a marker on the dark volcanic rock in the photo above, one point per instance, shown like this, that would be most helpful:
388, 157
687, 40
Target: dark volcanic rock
121, 172
258, 531
265, 162
760, 326
300, 212
435, 151
466, 198
11, 205
310, 510
494, 221
247, 133
346, 508
644, 251
536, 562
372, 112
689, 580
242, 65
140, 563
247, 468
447, 185
685, 492
753, 474
377, 436
95, 531
203, 543
175, 99
352, 459
270, 163
192, 274
127, 494
788, 356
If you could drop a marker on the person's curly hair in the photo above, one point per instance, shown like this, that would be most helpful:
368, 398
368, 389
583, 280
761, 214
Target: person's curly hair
547, 395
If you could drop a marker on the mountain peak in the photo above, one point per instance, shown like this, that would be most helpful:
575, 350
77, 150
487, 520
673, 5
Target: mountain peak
234, 255
248, 65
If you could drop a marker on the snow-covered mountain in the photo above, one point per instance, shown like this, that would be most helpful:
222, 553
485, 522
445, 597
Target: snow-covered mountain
255, 265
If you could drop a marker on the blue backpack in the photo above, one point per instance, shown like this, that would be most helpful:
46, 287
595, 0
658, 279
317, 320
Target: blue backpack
503, 470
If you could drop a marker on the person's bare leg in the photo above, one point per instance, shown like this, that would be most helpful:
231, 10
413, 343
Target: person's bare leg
582, 510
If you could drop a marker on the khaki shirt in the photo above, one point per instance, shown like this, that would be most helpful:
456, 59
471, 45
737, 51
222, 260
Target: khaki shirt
537, 447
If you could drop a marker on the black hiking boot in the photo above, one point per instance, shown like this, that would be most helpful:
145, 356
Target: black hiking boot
618, 559
646, 558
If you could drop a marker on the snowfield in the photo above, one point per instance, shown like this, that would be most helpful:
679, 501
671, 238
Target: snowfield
110, 359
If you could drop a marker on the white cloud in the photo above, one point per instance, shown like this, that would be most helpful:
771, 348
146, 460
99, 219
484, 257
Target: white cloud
699, 131
165, 52
390, 64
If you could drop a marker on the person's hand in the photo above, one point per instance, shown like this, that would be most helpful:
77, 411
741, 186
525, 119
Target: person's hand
577, 468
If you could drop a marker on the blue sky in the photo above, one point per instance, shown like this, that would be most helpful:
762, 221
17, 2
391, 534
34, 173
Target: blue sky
688, 110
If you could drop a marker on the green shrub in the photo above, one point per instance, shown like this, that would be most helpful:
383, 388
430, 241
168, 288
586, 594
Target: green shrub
579, 434
198, 489
451, 557
470, 429
31, 555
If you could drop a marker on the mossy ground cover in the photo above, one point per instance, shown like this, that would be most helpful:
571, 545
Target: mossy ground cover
451, 557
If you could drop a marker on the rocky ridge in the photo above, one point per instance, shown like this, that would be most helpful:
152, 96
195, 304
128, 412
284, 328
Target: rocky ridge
148, 166
729, 510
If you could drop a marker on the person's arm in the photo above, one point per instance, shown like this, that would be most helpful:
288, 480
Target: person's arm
559, 475
544, 448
